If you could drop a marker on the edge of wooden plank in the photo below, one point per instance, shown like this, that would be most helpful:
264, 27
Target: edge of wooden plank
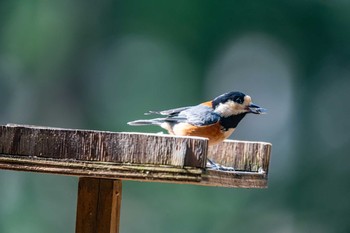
145, 173
100, 169
252, 156
13, 125
234, 179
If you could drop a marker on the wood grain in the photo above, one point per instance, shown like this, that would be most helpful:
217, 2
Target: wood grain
159, 158
89, 145
102, 159
166, 174
236, 179
98, 208
242, 155
100, 170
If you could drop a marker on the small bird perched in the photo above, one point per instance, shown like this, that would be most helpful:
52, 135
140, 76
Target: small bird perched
215, 120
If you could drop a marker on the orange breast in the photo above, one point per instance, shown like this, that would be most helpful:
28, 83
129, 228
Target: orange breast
212, 132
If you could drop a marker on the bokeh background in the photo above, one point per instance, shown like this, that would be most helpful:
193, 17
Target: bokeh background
98, 64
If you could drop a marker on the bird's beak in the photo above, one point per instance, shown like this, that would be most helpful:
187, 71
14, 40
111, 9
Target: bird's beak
256, 109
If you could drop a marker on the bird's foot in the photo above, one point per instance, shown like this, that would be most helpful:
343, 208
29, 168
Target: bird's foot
215, 166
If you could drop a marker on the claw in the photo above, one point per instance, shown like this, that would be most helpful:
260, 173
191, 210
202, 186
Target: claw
215, 166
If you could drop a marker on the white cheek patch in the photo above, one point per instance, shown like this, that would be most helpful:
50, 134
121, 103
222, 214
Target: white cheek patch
225, 109
230, 108
247, 100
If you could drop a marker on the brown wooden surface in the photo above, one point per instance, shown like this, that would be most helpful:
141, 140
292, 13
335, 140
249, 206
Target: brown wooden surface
90, 145
39, 149
241, 179
100, 169
237, 179
102, 159
98, 208
242, 155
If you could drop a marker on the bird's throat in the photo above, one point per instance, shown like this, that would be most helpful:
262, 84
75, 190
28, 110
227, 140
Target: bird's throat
231, 122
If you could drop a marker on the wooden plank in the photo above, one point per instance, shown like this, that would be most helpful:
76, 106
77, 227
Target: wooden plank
99, 154
242, 155
236, 179
166, 174
100, 169
98, 208
89, 145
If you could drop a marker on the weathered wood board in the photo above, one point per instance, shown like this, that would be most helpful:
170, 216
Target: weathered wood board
242, 155
102, 146
132, 156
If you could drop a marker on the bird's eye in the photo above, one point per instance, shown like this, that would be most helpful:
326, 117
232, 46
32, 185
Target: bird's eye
239, 100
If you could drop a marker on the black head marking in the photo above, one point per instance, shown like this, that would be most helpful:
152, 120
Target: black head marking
235, 96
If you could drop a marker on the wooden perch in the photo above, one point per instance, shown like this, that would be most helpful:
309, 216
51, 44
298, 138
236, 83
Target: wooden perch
132, 156
102, 159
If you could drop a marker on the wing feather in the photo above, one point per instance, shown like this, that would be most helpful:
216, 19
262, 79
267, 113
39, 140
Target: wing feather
169, 112
200, 115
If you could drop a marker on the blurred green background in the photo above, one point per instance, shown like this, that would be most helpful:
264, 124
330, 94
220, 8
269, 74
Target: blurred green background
98, 64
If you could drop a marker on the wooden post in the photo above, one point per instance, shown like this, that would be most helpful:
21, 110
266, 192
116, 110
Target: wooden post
98, 209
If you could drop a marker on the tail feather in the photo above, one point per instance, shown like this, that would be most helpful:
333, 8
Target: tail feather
157, 121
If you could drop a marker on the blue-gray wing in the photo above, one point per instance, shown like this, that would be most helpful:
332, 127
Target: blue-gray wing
199, 115
169, 112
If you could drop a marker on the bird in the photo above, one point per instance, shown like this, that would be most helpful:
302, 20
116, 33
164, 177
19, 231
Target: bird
215, 119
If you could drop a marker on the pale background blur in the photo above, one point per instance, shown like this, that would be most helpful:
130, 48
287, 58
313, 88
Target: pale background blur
98, 64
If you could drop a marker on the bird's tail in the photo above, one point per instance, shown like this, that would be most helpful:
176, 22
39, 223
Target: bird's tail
156, 121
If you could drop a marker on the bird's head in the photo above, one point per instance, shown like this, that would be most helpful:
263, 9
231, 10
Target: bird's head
235, 103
